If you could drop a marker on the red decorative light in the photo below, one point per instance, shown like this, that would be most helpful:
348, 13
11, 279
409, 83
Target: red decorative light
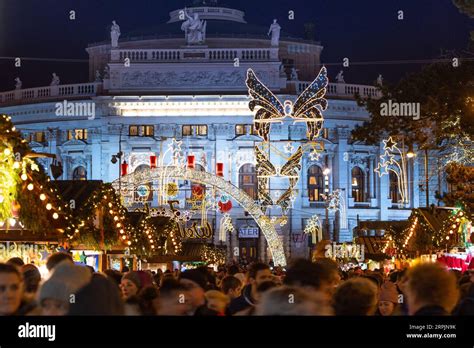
191, 161
153, 161
225, 207
124, 168
220, 169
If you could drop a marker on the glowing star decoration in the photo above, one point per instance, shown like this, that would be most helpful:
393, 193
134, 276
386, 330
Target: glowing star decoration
314, 156
389, 144
314, 228
289, 148
398, 167
381, 170
247, 203
34, 166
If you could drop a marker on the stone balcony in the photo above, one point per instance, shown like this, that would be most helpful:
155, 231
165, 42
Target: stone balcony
39, 94
200, 54
86, 90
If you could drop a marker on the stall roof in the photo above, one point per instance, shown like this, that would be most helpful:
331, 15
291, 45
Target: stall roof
78, 190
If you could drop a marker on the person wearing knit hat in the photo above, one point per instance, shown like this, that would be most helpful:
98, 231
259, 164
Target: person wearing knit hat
56, 293
130, 285
388, 299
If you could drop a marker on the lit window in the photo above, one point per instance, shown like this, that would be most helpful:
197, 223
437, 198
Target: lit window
187, 130
240, 129
315, 183
202, 130
79, 134
149, 131
358, 191
248, 180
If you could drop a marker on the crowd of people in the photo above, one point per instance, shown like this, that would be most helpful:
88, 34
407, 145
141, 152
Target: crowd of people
304, 288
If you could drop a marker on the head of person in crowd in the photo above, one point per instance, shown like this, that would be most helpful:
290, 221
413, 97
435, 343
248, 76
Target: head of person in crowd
56, 294
130, 284
357, 296
232, 270
149, 298
388, 299
231, 287
288, 300
466, 304
99, 297
322, 275
262, 288
11, 289
57, 258
471, 275
217, 301
32, 278
431, 290
15, 261
257, 274
115, 275
173, 299
195, 282
241, 277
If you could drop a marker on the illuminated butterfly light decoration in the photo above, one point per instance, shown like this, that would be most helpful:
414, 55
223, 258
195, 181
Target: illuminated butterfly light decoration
267, 109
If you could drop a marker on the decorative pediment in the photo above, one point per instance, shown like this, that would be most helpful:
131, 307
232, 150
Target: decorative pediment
34, 144
75, 142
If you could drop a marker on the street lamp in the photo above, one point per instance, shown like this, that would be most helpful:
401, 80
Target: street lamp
410, 153
326, 172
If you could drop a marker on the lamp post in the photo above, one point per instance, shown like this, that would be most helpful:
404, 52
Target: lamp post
326, 205
118, 157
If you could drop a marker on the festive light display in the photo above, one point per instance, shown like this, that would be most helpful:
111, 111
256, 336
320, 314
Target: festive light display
268, 109
314, 228
336, 202
399, 168
180, 172
26, 196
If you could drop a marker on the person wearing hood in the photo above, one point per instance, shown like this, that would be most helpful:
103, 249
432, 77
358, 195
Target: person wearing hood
56, 294
258, 273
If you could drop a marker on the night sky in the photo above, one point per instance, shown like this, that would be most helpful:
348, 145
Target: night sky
364, 30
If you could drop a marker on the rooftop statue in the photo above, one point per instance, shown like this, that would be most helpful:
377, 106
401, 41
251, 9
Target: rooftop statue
115, 34
194, 28
380, 80
275, 31
55, 81
18, 83
340, 77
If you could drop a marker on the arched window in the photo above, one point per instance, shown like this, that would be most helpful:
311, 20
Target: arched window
248, 180
198, 191
79, 173
394, 192
315, 183
358, 192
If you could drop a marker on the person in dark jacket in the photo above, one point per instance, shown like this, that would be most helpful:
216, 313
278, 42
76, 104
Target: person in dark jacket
258, 273
431, 290
466, 306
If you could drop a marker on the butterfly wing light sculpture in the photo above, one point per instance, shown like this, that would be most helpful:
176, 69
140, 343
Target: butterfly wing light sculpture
268, 109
